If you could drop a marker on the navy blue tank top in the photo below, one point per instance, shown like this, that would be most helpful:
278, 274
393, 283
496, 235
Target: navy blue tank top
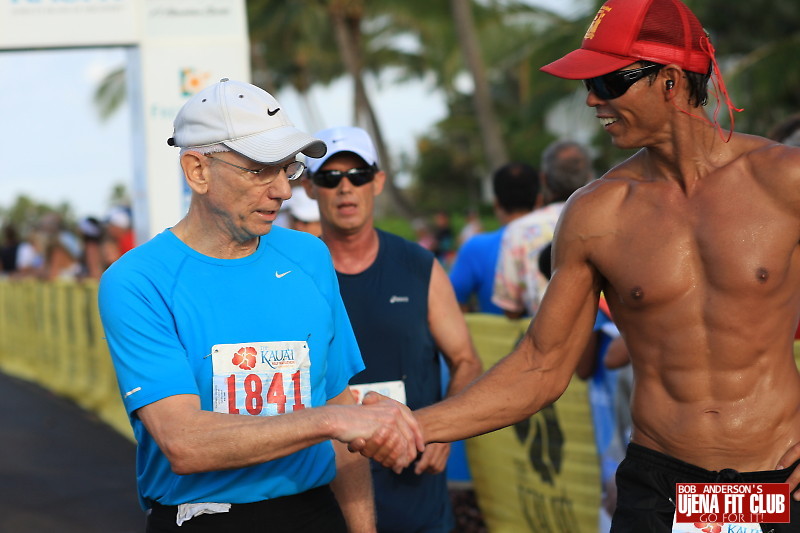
388, 306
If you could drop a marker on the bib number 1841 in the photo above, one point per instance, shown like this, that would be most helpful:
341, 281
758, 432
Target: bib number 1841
254, 395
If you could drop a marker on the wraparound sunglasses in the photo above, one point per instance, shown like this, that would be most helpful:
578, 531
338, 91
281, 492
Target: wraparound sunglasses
615, 84
331, 178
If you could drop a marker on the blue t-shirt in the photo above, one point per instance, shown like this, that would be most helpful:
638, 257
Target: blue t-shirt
473, 270
171, 313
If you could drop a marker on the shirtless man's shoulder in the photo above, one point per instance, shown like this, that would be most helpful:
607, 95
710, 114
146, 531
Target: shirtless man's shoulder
775, 166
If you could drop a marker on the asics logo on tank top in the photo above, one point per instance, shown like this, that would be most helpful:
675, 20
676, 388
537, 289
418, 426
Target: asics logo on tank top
398, 300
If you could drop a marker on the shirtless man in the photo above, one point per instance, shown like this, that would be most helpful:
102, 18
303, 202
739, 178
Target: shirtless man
694, 241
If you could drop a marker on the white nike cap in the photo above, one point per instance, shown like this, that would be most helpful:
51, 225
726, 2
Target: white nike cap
246, 119
344, 139
301, 206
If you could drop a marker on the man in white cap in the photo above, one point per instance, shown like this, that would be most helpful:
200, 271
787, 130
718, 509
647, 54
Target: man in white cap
232, 346
304, 212
695, 242
404, 314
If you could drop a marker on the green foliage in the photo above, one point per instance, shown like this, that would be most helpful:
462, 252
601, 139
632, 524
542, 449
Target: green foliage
26, 212
756, 44
398, 225
294, 46
405, 228
111, 93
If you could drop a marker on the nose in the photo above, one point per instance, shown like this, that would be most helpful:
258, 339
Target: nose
345, 185
280, 188
592, 100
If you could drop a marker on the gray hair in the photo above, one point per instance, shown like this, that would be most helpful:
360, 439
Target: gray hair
567, 166
207, 149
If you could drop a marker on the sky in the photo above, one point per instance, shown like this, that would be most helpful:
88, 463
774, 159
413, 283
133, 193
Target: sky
55, 148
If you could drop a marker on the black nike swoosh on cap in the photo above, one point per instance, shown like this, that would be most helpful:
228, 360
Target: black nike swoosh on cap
271, 112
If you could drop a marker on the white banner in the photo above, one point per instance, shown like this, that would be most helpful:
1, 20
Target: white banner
67, 23
175, 48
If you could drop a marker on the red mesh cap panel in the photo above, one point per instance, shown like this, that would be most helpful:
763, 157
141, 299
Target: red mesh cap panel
670, 33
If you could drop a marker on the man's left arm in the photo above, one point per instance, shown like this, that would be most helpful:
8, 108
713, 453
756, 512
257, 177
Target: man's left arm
452, 337
353, 483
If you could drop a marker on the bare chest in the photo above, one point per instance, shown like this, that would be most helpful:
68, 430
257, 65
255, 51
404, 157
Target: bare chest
667, 249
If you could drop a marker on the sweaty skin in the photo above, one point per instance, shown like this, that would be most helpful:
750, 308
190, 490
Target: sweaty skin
695, 242
706, 298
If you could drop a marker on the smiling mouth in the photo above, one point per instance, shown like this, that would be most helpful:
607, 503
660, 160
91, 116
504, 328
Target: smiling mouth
606, 122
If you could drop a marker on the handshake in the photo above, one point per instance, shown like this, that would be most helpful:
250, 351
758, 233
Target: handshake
384, 430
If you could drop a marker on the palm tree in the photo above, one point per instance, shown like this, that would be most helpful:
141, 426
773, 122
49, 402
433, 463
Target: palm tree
111, 93
347, 17
757, 63
292, 47
493, 143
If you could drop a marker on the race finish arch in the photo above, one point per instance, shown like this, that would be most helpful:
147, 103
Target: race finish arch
174, 49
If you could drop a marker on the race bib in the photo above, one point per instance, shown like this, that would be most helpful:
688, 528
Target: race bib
261, 378
396, 390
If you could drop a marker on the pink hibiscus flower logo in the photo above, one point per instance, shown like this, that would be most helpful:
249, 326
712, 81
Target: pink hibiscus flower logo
708, 527
245, 358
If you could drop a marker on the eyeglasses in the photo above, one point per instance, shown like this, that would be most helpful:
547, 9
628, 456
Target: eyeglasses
331, 178
615, 84
267, 174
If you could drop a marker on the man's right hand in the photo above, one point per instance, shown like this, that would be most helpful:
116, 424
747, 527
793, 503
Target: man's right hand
384, 430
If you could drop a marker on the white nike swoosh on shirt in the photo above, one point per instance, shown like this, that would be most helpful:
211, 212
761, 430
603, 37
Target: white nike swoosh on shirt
281, 275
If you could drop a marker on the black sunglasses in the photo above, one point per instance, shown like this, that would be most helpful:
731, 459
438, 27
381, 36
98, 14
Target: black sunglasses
331, 178
615, 84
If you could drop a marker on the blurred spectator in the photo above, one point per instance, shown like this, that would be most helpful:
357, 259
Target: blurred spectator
61, 249
444, 243
90, 231
518, 284
304, 212
471, 228
30, 255
424, 236
62, 257
516, 188
284, 218
119, 233
8, 249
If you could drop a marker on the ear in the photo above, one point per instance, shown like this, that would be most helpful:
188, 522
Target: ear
309, 187
379, 182
195, 170
671, 76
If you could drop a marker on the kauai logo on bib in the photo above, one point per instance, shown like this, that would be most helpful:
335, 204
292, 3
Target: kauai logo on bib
261, 378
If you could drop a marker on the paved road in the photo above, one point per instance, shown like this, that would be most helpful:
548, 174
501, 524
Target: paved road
62, 470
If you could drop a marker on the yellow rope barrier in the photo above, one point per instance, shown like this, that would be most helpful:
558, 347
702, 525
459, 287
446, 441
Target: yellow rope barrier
50, 334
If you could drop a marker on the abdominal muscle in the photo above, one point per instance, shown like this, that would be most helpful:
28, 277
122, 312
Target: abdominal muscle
739, 410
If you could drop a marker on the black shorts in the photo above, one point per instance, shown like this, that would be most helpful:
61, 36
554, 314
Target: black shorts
314, 510
646, 490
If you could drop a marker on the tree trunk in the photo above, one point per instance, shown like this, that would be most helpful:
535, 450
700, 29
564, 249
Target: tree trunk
347, 29
493, 145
